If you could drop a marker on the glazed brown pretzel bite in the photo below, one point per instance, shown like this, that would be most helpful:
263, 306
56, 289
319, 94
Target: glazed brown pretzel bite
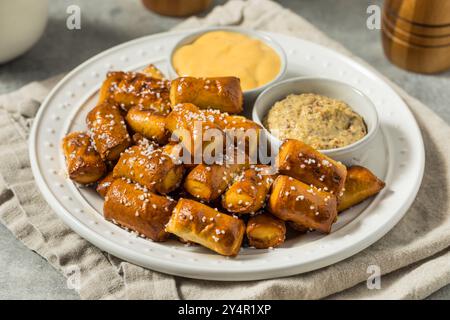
175, 151
208, 182
222, 93
108, 131
189, 125
359, 185
149, 167
112, 80
84, 164
133, 207
229, 121
128, 89
234, 122
216, 116
248, 193
245, 133
292, 200
152, 125
300, 161
265, 231
196, 222
104, 184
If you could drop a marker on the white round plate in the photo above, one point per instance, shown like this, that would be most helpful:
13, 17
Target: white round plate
397, 157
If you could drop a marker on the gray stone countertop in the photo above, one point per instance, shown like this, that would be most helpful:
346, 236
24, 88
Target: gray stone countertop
105, 23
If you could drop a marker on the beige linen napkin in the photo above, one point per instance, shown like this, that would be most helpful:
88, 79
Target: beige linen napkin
414, 257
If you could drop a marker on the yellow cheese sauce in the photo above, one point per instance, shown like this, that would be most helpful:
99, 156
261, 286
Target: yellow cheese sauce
224, 53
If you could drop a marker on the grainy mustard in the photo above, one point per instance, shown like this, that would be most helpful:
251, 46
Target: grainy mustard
319, 121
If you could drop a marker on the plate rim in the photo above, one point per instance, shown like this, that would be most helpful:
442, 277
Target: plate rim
208, 273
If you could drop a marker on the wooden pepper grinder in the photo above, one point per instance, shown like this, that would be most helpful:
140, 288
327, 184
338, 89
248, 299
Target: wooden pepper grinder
416, 34
177, 8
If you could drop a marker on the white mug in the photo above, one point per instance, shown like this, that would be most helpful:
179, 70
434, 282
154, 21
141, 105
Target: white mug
22, 23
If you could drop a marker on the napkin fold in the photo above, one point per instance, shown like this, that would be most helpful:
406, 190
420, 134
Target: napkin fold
414, 257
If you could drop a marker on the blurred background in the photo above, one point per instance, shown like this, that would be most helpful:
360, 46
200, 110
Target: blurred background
106, 23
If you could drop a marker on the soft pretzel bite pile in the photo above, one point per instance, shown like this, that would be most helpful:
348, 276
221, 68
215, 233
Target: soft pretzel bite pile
142, 151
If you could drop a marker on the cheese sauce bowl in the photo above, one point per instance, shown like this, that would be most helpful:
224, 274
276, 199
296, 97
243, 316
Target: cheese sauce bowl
350, 154
251, 93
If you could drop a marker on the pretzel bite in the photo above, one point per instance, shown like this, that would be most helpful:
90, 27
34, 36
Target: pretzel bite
239, 122
132, 206
359, 185
111, 81
150, 124
214, 115
229, 122
241, 132
300, 161
128, 89
84, 164
248, 193
152, 71
175, 151
208, 182
245, 132
292, 200
108, 131
265, 231
196, 222
192, 127
149, 167
222, 93
104, 184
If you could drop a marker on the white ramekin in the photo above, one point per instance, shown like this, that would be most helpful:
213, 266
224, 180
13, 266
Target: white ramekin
249, 95
358, 101
22, 23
